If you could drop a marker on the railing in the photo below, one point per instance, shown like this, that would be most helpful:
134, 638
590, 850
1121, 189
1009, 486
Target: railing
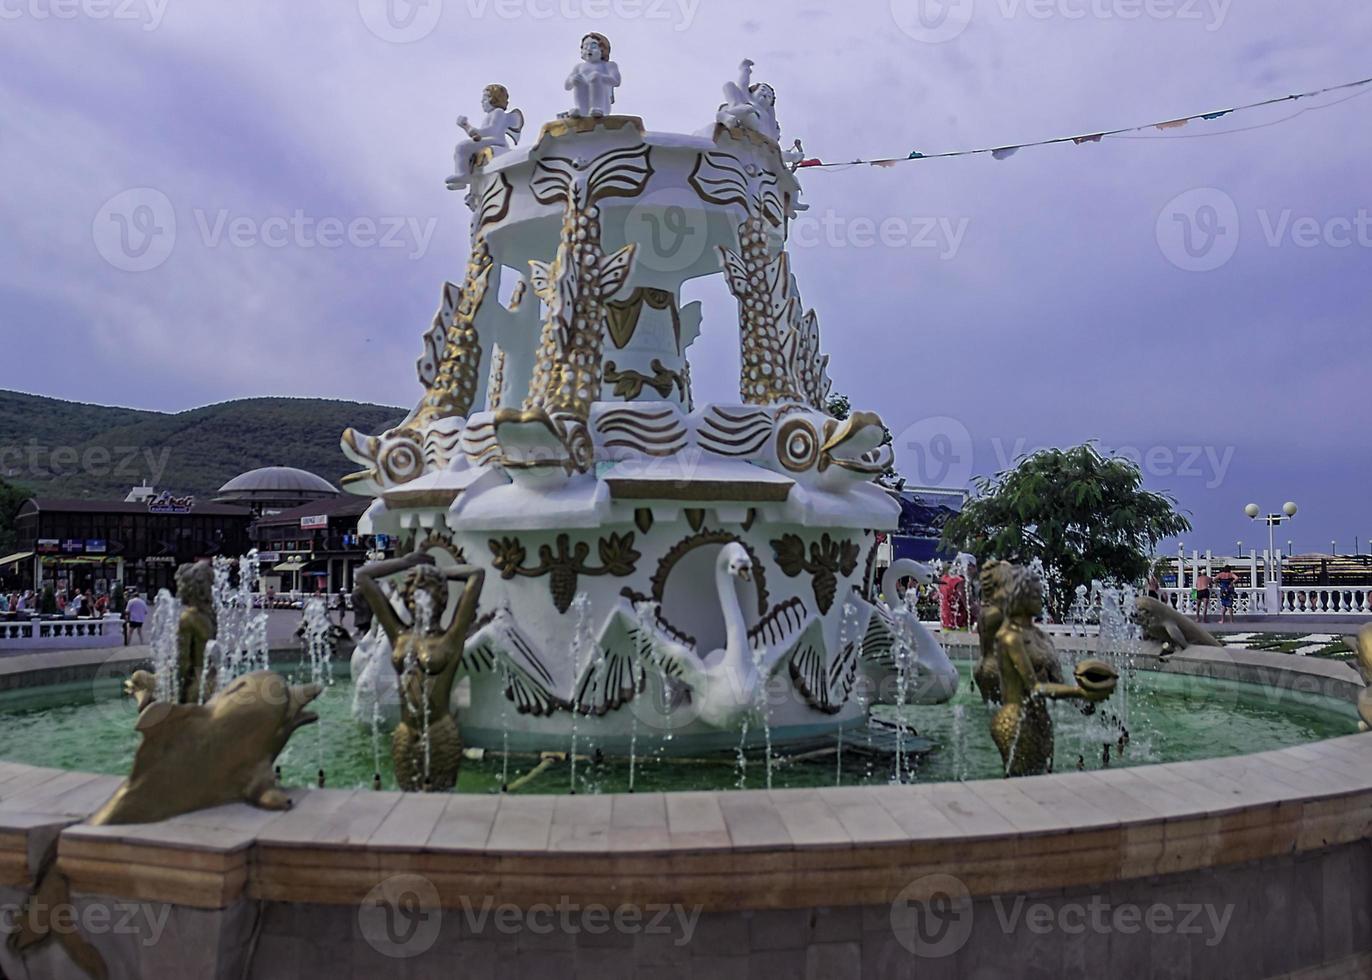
1326, 600
1295, 600
61, 634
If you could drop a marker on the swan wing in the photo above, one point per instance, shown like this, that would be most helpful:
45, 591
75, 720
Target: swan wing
824, 678
496, 645
791, 634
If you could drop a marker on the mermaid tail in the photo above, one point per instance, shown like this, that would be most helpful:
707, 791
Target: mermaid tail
444, 756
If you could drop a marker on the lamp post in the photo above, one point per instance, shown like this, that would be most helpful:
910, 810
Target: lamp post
1273, 521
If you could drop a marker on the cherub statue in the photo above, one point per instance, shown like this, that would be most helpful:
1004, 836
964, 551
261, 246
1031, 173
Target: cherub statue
195, 633
426, 657
593, 81
749, 106
500, 129
1023, 729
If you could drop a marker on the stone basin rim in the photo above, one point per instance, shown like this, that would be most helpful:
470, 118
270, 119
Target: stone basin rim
723, 850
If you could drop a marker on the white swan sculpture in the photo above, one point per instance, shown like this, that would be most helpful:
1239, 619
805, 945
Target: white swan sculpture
936, 679
725, 683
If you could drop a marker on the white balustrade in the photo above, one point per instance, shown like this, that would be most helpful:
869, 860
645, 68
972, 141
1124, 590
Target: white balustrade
60, 634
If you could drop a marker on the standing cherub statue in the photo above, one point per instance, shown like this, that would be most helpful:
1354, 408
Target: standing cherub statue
593, 81
195, 633
426, 746
500, 129
749, 106
1023, 729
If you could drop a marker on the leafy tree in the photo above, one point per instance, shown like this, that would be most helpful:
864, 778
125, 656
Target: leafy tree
1085, 516
11, 499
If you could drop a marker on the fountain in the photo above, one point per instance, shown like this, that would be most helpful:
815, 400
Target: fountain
599, 572
559, 448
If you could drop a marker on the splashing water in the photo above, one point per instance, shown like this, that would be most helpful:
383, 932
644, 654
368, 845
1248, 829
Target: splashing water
319, 647
162, 630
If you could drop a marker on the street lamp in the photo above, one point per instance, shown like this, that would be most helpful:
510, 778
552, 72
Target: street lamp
1272, 521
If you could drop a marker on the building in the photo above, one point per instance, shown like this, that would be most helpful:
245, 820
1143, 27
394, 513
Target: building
94, 544
923, 513
316, 547
273, 489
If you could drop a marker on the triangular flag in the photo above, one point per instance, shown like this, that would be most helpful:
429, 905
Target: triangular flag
1212, 116
915, 155
1174, 124
1004, 153
812, 162
883, 163
1093, 138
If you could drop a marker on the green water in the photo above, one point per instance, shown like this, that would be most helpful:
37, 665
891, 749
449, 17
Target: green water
1170, 718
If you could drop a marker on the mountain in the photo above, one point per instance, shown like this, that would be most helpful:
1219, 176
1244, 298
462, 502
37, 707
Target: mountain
69, 449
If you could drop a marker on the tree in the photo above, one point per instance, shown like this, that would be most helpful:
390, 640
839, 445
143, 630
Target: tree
1083, 515
11, 499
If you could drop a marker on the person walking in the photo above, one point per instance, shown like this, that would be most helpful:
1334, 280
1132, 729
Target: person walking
135, 615
1227, 582
1203, 596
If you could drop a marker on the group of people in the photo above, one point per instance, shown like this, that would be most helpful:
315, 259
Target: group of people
18, 602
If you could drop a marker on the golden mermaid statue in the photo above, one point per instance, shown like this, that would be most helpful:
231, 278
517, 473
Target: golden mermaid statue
426, 656
1023, 728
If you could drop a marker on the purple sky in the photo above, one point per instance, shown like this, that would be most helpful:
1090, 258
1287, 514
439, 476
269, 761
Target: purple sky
1051, 302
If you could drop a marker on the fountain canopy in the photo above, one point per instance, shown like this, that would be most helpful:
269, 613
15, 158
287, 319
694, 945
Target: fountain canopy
639, 547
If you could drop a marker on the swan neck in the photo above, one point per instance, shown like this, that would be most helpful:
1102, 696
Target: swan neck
735, 627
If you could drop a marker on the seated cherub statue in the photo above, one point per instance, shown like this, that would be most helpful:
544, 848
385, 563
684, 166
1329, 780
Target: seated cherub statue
748, 105
593, 81
500, 129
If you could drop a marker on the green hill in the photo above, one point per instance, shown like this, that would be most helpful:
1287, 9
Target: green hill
69, 449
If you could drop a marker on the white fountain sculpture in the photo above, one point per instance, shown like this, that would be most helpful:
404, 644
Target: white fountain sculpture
499, 130
558, 445
594, 79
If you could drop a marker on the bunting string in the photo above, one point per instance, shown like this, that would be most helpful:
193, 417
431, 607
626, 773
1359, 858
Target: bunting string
1124, 132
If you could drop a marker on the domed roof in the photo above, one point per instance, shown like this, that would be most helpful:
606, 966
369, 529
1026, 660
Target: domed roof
279, 480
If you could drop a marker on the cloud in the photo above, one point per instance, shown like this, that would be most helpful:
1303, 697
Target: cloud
1058, 317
